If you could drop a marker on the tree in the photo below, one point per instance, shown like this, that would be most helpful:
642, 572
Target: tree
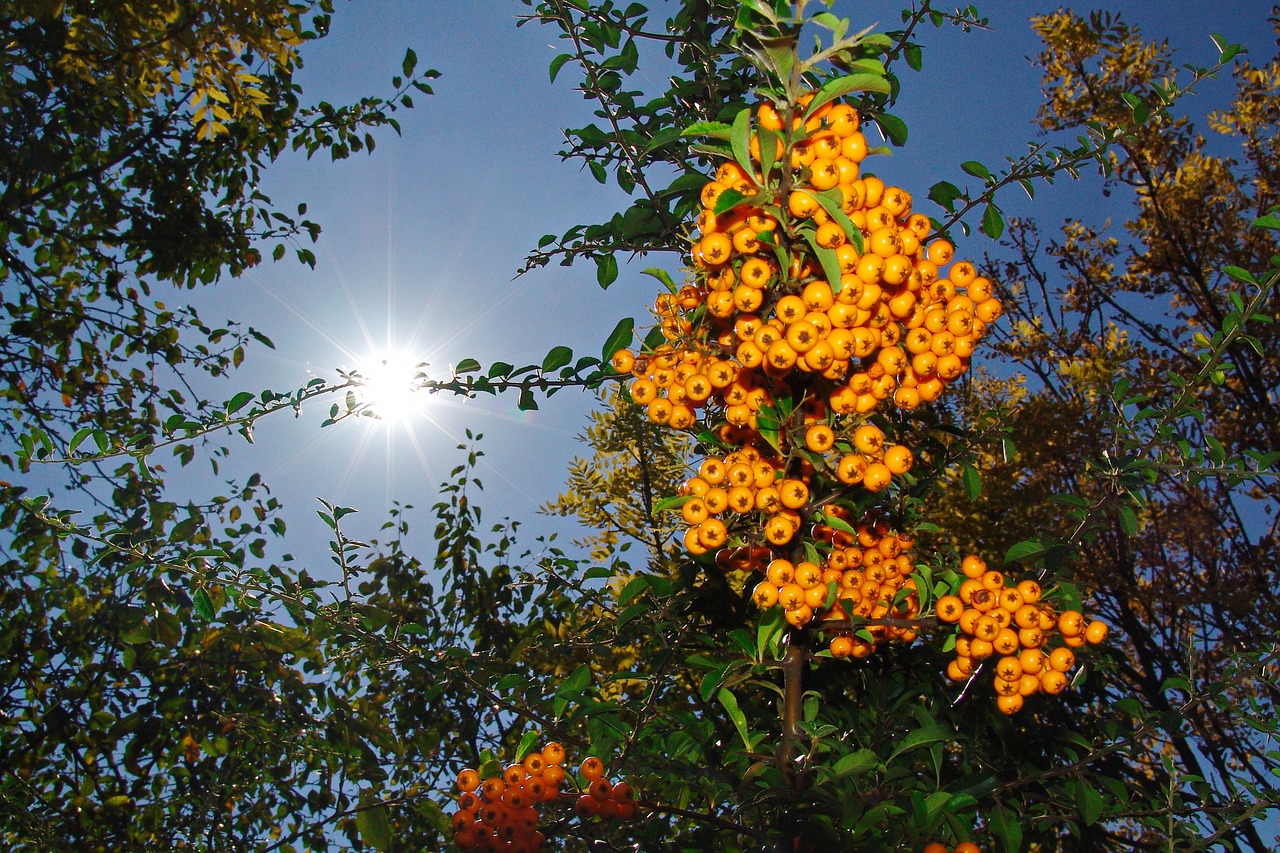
169, 685
134, 136
1108, 321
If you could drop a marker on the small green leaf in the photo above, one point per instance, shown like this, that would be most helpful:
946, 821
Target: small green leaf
239, 401
467, 365
374, 825
1005, 825
619, 338
944, 194
740, 139
526, 745
1028, 549
895, 129
923, 736
203, 604
557, 358
992, 222
571, 689
606, 270
912, 53
81, 435
739, 719
670, 503
838, 87
557, 64
712, 129
972, 481
728, 200
1089, 801
855, 763
662, 276
973, 167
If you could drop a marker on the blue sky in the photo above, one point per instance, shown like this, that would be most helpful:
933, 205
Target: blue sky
422, 239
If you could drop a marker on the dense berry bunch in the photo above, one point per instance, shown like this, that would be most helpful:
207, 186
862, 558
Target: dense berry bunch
500, 812
816, 296
862, 576
1010, 625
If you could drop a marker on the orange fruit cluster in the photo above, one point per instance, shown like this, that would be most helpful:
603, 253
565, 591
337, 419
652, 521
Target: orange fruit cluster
499, 813
815, 296
1009, 624
864, 576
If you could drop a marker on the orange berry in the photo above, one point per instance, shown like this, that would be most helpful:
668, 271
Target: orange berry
898, 459
1062, 659
592, 768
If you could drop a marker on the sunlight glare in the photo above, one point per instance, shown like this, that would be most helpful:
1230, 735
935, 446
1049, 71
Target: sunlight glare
392, 388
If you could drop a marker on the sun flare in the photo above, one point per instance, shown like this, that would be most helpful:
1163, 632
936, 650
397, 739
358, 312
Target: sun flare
391, 388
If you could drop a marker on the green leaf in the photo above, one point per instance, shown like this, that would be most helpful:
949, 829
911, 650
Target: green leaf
239, 401
1027, 549
80, 436
1089, 801
606, 270
571, 689
1240, 274
830, 201
1005, 825
467, 365
1141, 111
1271, 220
826, 257
972, 481
1128, 521
670, 503
914, 56
739, 719
895, 129
712, 129
662, 276
557, 64
923, 736
992, 222
526, 745
619, 338
728, 200
855, 763
973, 167
838, 87
203, 604
410, 62
557, 358
373, 823
944, 194
740, 139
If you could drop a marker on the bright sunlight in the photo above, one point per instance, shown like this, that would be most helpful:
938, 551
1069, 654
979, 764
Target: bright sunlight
391, 388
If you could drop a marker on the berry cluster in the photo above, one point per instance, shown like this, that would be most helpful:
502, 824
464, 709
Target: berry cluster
499, 812
862, 577
1010, 624
814, 298
816, 295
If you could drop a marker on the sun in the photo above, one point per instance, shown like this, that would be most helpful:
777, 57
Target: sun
391, 388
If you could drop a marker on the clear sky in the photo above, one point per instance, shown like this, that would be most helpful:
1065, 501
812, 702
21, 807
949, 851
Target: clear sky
422, 239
